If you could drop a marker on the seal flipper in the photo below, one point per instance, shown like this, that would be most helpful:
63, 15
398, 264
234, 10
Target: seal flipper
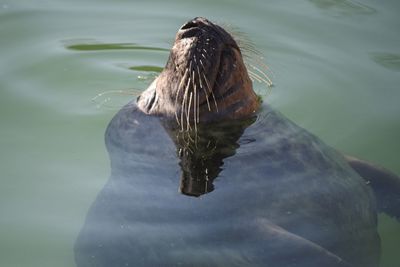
385, 184
294, 250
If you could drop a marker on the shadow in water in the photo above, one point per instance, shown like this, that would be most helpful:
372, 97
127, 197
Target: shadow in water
202, 150
266, 193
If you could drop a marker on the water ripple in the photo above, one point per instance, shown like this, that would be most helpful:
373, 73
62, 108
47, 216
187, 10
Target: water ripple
95, 46
346, 7
147, 68
387, 60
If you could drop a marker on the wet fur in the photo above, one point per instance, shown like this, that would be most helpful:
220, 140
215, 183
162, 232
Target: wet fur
204, 80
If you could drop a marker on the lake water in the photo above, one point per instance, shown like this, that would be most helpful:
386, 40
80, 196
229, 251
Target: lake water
335, 65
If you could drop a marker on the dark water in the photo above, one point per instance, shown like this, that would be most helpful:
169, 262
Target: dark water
335, 67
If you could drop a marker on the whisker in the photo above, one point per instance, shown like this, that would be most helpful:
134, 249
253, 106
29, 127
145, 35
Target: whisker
249, 48
122, 92
201, 63
201, 86
194, 102
198, 105
188, 113
184, 103
210, 91
252, 56
258, 61
261, 63
253, 76
264, 74
178, 91
258, 77
188, 104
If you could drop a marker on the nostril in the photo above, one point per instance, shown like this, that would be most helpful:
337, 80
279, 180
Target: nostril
189, 25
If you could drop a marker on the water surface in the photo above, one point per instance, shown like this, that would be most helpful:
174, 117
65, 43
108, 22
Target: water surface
335, 67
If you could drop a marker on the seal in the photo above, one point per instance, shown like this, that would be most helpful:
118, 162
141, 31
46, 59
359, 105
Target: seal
255, 189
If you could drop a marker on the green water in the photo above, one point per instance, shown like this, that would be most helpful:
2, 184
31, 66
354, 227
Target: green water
335, 67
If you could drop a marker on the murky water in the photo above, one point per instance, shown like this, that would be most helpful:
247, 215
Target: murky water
335, 67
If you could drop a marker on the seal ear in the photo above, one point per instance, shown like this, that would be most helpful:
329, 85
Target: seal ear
385, 184
147, 100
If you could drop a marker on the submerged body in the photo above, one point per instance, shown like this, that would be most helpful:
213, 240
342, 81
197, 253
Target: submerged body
283, 199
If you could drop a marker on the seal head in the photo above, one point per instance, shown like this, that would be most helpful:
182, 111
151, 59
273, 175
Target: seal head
205, 78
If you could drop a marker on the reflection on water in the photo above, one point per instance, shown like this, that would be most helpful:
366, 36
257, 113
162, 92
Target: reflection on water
387, 60
202, 150
347, 7
276, 196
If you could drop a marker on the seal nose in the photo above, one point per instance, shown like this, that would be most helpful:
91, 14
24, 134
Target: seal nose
189, 25
196, 22
192, 28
